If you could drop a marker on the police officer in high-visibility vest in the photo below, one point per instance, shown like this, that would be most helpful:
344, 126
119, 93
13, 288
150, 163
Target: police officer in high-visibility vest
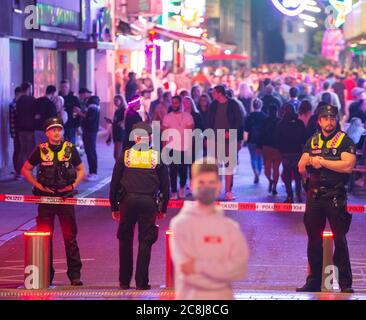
138, 176
328, 159
60, 170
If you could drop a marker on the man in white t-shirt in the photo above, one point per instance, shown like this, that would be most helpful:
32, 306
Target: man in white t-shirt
177, 135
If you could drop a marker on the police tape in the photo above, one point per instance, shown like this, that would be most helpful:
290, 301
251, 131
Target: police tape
176, 204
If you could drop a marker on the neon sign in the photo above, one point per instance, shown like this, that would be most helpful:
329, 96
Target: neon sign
340, 10
290, 7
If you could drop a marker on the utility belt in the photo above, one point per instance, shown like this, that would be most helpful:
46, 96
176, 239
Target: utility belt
139, 194
328, 192
67, 194
157, 197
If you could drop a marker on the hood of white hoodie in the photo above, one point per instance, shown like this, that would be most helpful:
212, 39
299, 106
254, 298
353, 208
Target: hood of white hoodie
192, 208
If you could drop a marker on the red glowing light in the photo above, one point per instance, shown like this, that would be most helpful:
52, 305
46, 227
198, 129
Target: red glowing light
37, 234
328, 234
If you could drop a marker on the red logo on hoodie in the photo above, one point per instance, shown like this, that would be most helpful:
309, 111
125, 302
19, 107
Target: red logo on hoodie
213, 239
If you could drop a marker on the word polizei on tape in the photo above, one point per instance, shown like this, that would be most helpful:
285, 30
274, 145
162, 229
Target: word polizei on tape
176, 204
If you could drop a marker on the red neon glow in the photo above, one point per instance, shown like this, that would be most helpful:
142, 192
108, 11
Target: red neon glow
37, 234
328, 234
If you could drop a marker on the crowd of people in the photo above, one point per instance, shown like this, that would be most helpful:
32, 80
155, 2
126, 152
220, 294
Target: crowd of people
272, 108
80, 115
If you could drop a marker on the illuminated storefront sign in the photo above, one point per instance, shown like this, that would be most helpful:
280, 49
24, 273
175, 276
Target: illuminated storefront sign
145, 7
50, 15
290, 7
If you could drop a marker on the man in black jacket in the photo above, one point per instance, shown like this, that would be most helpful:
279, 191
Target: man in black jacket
290, 137
269, 98
90, 126
224, 115
131, 87
71, 103
24, 122
13, 131
44, 110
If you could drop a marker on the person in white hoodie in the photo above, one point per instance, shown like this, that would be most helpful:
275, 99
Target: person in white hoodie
209, 251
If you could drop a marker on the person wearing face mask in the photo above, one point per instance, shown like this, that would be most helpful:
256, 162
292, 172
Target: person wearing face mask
209, 251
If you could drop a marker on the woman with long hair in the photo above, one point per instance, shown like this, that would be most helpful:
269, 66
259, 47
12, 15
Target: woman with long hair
118, 130
203, 108
245, 96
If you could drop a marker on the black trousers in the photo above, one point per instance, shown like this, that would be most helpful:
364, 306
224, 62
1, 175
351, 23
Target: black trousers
90, 145
290, 166
46, 222
317, 211
176, 169
16, 153
140, 209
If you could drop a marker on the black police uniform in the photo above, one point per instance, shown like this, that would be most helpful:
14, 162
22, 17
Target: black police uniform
56, 170
327, 198
137, 178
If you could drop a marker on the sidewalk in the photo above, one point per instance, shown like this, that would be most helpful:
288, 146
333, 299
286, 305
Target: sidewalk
14, 215
111, 293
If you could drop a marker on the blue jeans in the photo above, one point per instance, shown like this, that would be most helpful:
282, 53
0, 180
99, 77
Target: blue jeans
90, 145
256, 159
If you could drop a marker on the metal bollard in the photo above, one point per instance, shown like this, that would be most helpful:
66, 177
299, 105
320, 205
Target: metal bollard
169, 276
37, 260
329, 271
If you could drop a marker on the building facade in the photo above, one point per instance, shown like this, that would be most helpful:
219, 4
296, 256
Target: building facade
35, 37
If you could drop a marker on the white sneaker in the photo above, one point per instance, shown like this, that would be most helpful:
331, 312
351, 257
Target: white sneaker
174, 196
229, 196
93, 177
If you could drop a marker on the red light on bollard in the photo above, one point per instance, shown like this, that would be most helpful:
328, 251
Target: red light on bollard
328, 234
37, 259
169, 276
329, 277
37, 234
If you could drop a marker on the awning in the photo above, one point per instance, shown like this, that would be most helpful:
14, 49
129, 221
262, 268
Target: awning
177, 35
100, 45
223, 56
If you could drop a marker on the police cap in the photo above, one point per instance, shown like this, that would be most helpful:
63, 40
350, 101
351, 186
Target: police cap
327, 111
53, 123
142, 129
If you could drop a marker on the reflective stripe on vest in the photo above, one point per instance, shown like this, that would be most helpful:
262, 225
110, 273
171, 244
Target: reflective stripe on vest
47, 155
141, 159
333, 143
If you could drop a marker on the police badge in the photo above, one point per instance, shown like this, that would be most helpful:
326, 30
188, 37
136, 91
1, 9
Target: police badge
334, 151
67, 164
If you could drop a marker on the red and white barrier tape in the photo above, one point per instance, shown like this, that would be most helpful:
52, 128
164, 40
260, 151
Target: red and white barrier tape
227, 206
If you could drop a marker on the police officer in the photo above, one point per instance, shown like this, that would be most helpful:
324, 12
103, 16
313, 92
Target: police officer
137, 178
328, 159
60, 170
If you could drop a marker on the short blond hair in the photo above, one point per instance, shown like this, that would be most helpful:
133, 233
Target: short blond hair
204, 165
